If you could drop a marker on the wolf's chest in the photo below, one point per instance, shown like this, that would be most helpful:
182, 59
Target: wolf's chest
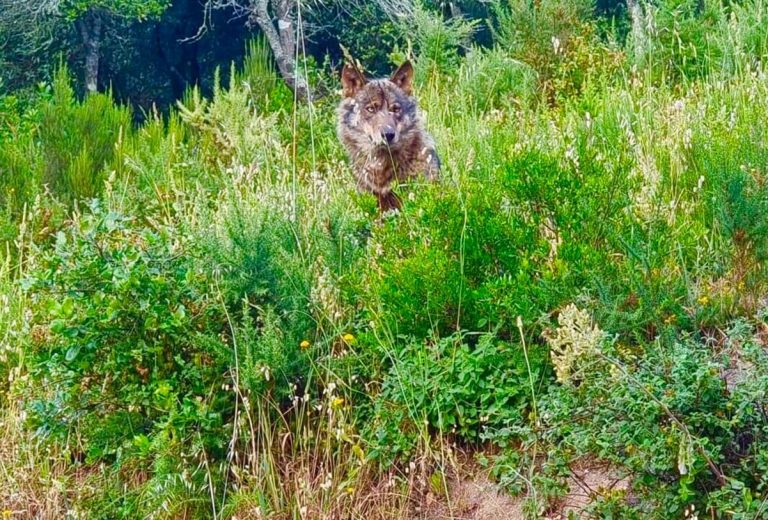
376, 172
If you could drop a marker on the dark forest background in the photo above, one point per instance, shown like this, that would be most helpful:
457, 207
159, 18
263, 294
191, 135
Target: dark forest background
151, 59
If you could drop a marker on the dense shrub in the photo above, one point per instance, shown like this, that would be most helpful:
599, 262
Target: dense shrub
78, 139
464, 385
438, 43
20, 161
687, 421
263, 280
517, 242
670, 40
558, 40
123, 342
260, 77
357, 18
241, 334
491, 79
740, 37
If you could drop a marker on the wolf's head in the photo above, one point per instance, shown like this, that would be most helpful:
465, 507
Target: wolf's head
377, 113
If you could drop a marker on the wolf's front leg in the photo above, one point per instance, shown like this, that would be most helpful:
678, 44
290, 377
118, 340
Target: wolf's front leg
388, 201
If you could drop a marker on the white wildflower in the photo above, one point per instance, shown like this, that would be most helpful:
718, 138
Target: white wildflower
699, 184
325, 295
574, 338
687, 138
556, 44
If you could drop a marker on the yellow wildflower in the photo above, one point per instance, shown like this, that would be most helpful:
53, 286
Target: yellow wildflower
304, 344
337, 402
703, 299
348, 338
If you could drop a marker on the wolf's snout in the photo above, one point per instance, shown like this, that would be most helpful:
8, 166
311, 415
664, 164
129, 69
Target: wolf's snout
388, 133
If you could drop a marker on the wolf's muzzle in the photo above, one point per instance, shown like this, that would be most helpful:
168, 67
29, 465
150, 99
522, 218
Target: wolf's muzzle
388, 133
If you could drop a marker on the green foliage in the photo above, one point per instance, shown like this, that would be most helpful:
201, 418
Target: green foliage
436, 42
140, 9
491, 79
684, 419
740, 38
671, 40
241, 330
19, 156
435, 274
259, 75
267, 286
556, 39
27, 44
349, 25
460, 384
78, 138
159, 160
230, 130
123, 346
515, 242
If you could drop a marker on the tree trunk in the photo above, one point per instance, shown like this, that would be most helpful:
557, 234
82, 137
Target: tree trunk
90, 31
282, 40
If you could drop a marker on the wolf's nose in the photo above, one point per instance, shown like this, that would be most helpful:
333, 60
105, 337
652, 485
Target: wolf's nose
388, 134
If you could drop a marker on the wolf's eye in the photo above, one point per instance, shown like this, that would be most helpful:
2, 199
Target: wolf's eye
371, 109
394, 109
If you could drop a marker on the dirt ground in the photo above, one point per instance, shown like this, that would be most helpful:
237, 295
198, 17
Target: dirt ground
474, 496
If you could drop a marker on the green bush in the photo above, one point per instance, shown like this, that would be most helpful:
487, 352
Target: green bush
558, 40
259, 75
459, 385
490, 79
241, 329
684, 419
733, 204
519, 241
437, 43
267, 287
741, 41
671, 40
352, 33
230, 131
20, 161
78, 139
124, 344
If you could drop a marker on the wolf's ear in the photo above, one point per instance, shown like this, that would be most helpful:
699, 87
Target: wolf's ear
403, 77
352, 80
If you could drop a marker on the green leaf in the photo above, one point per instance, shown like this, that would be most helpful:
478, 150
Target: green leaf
72, 352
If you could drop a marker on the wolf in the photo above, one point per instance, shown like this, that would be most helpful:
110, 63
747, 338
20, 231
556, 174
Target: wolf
380, 126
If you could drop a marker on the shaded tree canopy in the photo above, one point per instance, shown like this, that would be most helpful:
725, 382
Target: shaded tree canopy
149, 51
89, 17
